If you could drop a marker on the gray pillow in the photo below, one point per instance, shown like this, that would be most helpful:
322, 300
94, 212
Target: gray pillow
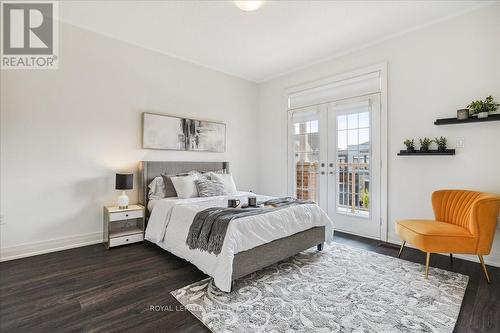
221, 171
209, 187
169, 186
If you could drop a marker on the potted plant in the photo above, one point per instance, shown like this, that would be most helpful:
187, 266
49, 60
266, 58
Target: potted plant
365, 198
410, 145
462, 114
424, 144
441, 143
482, 108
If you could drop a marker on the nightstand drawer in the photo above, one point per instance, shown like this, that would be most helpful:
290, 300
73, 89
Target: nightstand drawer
132, 214
117, 241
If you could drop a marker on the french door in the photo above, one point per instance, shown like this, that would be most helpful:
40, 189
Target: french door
336, 161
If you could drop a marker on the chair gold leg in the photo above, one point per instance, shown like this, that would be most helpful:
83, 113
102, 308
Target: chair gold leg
484, 268
427, 261
401, 249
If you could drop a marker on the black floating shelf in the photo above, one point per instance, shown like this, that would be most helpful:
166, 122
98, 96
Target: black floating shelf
430, 152
452, 121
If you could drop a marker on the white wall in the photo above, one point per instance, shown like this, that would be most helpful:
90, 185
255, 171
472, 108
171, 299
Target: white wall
65, 132
432, 72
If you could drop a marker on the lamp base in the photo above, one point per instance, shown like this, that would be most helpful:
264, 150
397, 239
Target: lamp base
123, 201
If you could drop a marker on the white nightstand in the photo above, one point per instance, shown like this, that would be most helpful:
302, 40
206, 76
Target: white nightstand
123, 226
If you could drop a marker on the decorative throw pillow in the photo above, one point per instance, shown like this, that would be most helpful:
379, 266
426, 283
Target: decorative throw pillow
209, 187
227, 180
185, 186
156, 189
169, 186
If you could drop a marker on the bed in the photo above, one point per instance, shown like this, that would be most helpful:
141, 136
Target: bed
251, 243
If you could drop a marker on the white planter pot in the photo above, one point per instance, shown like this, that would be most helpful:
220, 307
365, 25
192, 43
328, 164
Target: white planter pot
482, 115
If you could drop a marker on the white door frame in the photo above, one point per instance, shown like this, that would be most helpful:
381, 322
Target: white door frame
382, 69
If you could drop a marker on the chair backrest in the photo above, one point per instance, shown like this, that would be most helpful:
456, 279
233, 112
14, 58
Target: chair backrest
475, 211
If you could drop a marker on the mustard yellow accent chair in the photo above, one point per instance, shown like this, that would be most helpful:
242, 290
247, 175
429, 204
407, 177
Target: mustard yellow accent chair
465, 222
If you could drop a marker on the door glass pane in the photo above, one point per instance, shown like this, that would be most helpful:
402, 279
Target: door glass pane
353, 163
306, 152
341, 122
364, 119
352, 121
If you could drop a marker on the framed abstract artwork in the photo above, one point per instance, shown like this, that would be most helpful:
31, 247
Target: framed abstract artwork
176, 133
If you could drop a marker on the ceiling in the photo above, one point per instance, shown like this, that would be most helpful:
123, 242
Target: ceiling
279, 37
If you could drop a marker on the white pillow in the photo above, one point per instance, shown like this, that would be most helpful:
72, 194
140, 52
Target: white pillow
157, 189
227, 180
185, 186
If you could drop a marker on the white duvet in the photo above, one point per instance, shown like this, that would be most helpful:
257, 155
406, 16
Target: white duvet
171, 218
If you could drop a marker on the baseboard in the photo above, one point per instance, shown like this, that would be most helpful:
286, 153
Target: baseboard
59, 244
52, 245
492, 260
356, 234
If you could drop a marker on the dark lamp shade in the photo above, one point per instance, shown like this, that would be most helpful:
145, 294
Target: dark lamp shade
124, 181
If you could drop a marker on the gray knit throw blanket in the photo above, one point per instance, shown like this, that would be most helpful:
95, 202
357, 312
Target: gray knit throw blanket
209, 227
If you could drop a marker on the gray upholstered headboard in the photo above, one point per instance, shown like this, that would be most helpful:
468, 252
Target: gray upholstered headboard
148, 170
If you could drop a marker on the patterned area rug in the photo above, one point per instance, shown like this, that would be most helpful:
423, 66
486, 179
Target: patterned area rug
341, 289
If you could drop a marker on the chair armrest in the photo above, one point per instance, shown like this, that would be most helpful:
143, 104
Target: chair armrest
483, 222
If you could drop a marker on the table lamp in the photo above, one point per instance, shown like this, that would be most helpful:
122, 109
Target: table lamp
124, 181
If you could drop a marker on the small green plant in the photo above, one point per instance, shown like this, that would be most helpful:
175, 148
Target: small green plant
441, 142
425, 143
488, 105
410, 144
365, 198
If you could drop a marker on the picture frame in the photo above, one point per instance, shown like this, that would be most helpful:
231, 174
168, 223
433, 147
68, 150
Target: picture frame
166, 132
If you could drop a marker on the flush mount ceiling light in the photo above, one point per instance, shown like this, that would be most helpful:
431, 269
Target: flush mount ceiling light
249, 5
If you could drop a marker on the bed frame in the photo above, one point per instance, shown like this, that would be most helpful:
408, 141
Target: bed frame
245, 262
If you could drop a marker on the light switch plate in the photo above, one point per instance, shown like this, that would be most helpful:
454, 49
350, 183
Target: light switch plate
460, 143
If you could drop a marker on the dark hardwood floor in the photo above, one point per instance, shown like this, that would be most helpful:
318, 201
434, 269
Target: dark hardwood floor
92, 289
